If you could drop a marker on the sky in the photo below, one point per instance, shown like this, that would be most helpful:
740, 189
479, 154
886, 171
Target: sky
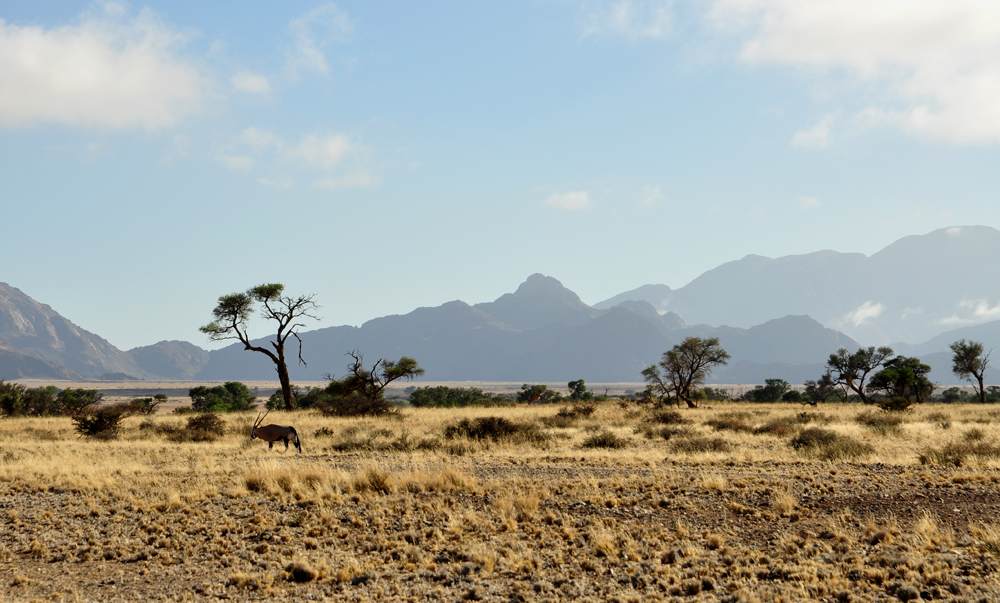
390, 155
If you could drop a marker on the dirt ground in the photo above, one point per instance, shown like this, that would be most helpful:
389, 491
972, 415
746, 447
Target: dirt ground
393, 510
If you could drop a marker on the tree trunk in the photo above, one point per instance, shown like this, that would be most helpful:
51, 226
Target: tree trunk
982, 389
286, 385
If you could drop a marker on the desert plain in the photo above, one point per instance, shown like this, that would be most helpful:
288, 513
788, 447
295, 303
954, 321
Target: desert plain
615, 501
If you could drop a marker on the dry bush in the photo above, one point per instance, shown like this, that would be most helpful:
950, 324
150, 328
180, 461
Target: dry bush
940, 419
667, 417
882, 423
732, 421
782, 426
357, 438
103, 422
650, 431
496, 429
698, 445
812, 417
974, 435
829, 445
958, 453
605, 439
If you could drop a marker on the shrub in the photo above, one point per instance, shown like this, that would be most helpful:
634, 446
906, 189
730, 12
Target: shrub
10, 398
496, 429
829, 445
231, 396
812, 417
102, 423
209, 422
941, 419
538, 393
780, 427
605, 439
650, 431
667, 417
731, 421
896, 403
451, 397
355, 405
772, 392
698, 445
958, 453
147, 406
15, 399
881, 423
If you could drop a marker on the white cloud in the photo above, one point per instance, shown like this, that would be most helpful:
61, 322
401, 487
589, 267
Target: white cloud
359, 179
572, 201
313, 33
816, 136
250, 82
102, 71
863, 313
807, 202
333, 158
632, 19
954, 231
908, 312
973, 311
938, 62
651, 195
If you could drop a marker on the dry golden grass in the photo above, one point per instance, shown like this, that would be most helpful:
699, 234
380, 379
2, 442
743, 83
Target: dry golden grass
392, 509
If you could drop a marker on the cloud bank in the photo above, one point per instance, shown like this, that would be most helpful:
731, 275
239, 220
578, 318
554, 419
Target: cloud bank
103, 71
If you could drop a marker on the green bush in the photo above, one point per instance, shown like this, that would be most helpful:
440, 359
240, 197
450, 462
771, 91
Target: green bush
231, 396
355, 405
450, 397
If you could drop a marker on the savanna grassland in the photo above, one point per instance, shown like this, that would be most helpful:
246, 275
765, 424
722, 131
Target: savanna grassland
736, 502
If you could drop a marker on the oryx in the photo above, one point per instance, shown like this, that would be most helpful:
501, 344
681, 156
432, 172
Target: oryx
274, 433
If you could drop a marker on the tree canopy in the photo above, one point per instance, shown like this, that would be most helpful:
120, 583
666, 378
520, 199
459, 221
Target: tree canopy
851, 370
902, 382
684, 367
232, 314
969, 362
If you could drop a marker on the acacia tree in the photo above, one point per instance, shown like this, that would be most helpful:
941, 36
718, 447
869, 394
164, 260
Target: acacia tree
903, 381
361, 391
685, 366
851, 370
234, 311
969, 362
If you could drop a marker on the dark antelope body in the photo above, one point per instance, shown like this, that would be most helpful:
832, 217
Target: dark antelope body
275, 433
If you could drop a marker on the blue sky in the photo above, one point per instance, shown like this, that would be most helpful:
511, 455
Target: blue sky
390, 155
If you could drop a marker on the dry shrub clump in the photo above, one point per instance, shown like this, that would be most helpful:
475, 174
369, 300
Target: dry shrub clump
732, 421
782, 426
103, 422
699, 445
496, 429
359, 438
829, 445
960, 453
569, 415
940, 419
606, 439
882, 423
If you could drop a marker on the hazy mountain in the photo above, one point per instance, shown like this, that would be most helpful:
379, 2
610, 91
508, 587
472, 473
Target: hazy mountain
459, 342
911, 290
988, 334
539, 301
16, 365
171, 359
37, 330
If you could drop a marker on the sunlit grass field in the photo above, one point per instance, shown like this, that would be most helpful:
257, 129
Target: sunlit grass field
730, 502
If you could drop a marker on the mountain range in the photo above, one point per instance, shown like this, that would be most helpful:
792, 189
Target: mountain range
772, 314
